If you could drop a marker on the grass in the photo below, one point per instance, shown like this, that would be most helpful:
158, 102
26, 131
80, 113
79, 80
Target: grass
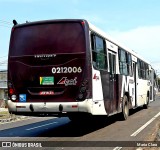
5, 115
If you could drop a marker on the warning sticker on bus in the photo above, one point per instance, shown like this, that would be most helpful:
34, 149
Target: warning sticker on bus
46, 80
22, 97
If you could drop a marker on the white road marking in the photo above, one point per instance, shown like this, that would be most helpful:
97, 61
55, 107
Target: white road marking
117, 148
145, 125
41, 126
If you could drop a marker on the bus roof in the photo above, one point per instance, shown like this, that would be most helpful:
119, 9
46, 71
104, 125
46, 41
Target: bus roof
48, 21
109, 38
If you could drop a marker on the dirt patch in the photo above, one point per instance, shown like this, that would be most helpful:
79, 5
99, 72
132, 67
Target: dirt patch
2, 103
154, 131
4, 115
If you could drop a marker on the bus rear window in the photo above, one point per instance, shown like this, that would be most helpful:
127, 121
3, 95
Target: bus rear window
47, 38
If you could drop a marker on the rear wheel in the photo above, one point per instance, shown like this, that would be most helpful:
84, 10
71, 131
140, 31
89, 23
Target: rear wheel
145, 106
125, 108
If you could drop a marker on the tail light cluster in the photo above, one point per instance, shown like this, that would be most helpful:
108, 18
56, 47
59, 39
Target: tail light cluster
11, 92
83, 91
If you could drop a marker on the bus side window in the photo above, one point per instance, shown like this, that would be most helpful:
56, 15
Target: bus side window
93, 47
99, 56
123, 62
92, 42
139, 69
147, 72
94, 57
129, 64
142, 70
112, 61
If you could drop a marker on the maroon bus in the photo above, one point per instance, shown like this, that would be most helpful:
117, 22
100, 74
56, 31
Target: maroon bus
69, 68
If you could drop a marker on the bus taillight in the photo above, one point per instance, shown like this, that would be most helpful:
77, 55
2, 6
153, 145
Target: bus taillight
12, 94
11, 91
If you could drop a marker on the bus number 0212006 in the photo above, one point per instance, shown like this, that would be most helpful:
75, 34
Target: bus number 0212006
66, 70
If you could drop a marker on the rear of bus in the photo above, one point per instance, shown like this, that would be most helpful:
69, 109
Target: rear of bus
48, 68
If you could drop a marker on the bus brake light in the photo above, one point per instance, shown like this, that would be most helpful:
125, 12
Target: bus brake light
74, 106
11, 91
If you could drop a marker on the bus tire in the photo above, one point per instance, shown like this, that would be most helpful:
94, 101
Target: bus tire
145, 106
125, 108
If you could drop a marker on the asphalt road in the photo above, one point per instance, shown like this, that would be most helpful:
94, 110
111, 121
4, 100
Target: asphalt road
141, 125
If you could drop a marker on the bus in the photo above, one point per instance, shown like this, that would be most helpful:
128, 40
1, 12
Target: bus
71, 68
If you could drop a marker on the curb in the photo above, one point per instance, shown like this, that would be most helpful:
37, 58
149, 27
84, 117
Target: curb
3, 109
12, 119
158, 136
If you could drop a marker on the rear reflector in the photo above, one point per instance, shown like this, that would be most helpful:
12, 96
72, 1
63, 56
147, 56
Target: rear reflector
74, 106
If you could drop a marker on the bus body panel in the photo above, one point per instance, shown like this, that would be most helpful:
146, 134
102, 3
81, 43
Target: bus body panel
42, 83
40, 63
48, 62
98, 93
142, 89
50, 107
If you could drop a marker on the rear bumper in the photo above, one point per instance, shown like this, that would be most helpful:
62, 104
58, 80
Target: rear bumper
49, 108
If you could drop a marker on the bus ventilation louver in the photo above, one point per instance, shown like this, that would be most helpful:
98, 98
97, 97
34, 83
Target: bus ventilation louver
83, 91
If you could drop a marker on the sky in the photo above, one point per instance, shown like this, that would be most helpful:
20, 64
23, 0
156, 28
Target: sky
134, 23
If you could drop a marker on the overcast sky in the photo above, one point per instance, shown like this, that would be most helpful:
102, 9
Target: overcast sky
135, 23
